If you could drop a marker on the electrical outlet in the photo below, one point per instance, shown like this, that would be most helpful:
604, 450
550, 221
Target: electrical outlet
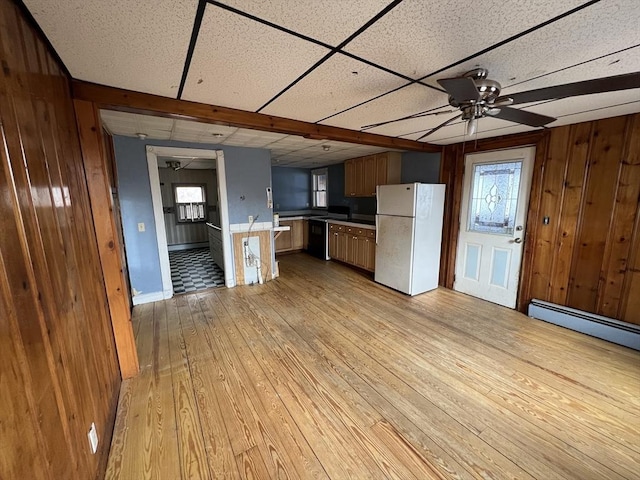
250, 218
141, 227
93, 438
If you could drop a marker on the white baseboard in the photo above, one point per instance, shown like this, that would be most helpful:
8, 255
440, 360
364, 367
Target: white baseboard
149, 297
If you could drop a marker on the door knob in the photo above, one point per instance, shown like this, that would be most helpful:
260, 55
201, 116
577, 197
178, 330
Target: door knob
517, 240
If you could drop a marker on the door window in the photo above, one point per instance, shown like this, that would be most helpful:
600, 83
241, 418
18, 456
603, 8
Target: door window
494, 198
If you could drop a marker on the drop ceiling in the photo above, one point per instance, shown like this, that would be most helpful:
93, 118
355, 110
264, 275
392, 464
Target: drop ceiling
347, 64
286, 150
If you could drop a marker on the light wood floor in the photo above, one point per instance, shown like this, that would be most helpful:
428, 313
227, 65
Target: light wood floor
325, 374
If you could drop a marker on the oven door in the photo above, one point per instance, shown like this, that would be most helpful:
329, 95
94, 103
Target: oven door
318, 239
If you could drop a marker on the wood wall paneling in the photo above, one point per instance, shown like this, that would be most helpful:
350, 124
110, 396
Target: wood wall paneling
578, 147
110, 156
58, 369
595, 217
96, 166
587, 181
619, 256
550, 204
630, 305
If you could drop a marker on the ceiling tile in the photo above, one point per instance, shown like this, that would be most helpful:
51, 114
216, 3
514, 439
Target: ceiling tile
241, 63
138, 46
407, 101
335, 85
185, 136
323, 20
595, 31
566, 108
417, 37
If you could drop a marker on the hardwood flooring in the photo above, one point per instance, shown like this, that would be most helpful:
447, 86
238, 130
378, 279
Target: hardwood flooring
324, 374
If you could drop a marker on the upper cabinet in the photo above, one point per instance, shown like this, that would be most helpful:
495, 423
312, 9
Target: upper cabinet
362, 174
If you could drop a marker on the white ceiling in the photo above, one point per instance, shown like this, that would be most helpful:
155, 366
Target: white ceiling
275, 57
286, 150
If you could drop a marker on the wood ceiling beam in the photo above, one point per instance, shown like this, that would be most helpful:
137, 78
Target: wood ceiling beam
144, 103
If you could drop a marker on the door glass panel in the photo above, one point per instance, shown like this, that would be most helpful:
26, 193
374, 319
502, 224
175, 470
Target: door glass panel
494, 197
500, 267
472, 262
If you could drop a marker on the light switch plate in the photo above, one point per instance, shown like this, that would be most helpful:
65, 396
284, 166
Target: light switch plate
141, 227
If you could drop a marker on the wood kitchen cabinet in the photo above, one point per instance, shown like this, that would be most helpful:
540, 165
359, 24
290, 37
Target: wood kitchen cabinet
305, 234
293, 239
353, 245
363, 174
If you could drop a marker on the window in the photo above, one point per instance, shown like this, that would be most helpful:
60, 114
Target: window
190, 203
319, 187
494, 198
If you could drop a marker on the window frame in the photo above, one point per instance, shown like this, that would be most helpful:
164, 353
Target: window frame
314, 174
176, 204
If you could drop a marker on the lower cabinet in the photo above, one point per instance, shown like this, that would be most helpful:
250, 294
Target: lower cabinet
353, 245
292, 239
215, 245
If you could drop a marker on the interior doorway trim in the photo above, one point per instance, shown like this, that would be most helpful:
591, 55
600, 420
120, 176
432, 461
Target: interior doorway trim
153, 152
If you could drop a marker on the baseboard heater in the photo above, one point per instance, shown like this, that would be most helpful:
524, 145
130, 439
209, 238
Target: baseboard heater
598, 326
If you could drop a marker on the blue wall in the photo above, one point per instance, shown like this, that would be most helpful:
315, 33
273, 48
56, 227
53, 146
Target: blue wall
248, 174
420, 167
291, 188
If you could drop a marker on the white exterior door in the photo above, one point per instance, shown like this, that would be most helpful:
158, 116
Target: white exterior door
492, 220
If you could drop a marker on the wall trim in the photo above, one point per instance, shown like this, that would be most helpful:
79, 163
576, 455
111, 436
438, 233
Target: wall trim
150, 297
153, 151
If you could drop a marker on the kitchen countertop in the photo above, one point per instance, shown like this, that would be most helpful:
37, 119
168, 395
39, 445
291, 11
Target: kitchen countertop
354, 223
297, 217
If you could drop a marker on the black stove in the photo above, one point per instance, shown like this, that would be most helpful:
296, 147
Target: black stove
319, 231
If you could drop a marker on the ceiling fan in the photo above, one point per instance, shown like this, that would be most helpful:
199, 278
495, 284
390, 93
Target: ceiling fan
476, 96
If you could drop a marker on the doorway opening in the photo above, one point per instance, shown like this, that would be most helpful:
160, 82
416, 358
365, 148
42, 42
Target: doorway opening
188, 191
495, 199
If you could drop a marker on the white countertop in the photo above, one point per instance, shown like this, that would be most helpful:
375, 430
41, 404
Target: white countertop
282, 228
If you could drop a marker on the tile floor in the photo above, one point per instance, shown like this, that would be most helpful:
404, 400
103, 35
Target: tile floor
194, 270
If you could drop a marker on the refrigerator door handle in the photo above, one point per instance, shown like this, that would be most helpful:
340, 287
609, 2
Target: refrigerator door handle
376, 229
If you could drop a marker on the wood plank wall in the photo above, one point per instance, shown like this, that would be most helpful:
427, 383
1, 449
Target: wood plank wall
587, 181
58, 366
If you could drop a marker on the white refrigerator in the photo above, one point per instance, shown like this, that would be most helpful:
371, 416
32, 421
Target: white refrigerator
409, 236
